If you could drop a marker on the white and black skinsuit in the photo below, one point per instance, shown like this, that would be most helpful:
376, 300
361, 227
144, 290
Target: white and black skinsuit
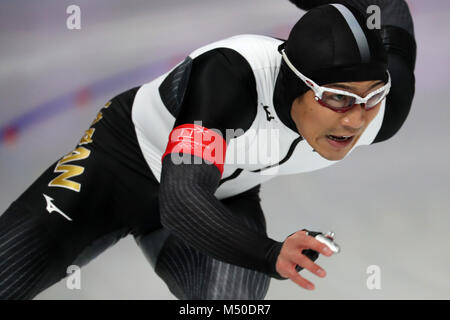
201, 228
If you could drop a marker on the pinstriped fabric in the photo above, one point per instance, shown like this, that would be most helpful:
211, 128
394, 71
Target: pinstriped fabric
216, 230
172, 274
12, 228
223, 279
172, 89
216, 249
191, 274
11, 236
9, 258
23, 255
28, 271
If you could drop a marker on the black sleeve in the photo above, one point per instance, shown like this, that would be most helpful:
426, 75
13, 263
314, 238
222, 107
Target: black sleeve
191, 211
222, 94
401, 49
393, 12
397, 34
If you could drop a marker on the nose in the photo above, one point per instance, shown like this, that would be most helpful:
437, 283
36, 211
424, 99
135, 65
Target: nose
355, 118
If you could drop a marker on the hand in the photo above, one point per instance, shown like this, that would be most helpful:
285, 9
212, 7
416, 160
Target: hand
291, 255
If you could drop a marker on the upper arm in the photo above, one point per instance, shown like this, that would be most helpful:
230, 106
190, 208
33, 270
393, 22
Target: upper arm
220, 94
401, 49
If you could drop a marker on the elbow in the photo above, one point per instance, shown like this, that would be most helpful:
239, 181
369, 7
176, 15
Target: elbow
174, 207
169, 205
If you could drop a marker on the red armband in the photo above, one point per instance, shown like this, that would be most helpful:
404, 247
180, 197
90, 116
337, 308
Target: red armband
199, 141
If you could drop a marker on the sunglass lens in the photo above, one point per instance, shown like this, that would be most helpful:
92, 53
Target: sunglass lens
375, 99
336, 100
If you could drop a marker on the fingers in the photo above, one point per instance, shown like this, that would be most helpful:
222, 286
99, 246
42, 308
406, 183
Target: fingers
291, 255
298, 279
286, 268
302, 240
306, 263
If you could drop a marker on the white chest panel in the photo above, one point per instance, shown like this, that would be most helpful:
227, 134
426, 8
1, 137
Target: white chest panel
265, 143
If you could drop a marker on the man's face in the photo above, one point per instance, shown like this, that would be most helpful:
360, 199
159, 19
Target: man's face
316, 122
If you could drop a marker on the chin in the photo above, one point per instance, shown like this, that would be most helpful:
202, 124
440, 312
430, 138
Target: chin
331, 156
337, 157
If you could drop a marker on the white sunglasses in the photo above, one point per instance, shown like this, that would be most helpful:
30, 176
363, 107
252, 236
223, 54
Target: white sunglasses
339, 100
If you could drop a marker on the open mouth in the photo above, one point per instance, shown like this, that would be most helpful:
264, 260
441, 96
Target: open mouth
339, 141
339, 138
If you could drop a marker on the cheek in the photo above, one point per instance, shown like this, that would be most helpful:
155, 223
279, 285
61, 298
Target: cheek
306, 120
312, 119
320, 119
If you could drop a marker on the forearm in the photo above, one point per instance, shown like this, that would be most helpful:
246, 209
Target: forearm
400, 45
191, 211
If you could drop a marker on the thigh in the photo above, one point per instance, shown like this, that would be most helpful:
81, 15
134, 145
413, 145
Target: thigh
65, 217
25, 253
191, 274
73, 201
81, 205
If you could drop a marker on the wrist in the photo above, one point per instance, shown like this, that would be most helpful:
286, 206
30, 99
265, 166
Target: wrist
272, 258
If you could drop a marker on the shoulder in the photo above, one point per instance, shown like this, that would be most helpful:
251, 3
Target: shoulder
225, 62
221, 91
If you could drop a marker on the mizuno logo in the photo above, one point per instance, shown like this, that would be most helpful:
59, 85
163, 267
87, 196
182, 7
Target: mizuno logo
51, 207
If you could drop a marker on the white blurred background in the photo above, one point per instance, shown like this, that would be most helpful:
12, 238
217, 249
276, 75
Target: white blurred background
389, 204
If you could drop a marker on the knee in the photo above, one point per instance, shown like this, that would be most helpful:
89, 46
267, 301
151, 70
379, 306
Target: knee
216, 281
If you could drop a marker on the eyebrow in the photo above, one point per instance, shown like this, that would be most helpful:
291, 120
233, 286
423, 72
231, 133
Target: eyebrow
344, 86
